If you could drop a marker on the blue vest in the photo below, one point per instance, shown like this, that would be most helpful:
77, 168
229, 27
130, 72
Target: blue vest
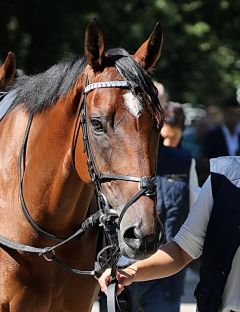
223, 233
173, 168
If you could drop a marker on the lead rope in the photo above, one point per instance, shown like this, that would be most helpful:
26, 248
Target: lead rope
112, 301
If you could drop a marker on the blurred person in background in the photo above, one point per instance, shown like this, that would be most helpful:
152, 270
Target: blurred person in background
194, 136
174, 125
224, 138
213, 118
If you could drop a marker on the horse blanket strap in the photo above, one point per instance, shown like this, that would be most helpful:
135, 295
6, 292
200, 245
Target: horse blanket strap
6, 100
2, 95
106, 84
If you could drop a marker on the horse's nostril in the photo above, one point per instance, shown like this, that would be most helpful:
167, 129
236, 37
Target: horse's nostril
132, 236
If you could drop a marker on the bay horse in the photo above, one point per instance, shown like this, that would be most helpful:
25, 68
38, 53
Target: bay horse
7, 70
87, 123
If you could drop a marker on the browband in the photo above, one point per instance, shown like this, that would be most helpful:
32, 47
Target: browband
106, 84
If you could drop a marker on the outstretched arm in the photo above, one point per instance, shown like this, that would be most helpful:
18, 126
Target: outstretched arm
168, 260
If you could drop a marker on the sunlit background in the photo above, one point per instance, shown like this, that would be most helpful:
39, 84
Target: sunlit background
200, 57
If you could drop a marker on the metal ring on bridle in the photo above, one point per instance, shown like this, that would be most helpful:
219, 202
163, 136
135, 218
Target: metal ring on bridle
105, 201
48, 255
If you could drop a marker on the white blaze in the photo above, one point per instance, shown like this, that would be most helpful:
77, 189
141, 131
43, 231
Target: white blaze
132, 103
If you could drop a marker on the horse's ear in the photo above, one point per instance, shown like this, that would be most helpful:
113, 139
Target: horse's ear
9, 67
149, 52
94, 46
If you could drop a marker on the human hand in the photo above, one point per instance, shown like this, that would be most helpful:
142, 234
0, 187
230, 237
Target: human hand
124, 277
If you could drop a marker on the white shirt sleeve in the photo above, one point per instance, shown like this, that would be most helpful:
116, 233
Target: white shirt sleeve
194, 188
192, 233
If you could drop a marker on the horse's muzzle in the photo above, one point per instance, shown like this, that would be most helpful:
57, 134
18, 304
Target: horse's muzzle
135, 243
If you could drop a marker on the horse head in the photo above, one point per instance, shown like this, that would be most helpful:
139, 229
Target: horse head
123, 118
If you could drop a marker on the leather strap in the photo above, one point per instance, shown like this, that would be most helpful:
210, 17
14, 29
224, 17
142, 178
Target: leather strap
111, 297
112, 302
106, 84
21, 171
17, 246
129, 203
112, 176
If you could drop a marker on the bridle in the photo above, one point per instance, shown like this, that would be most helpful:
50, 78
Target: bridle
106, 216
146, 184
110, 219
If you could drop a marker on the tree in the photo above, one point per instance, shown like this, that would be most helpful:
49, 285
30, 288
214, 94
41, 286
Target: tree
200, 56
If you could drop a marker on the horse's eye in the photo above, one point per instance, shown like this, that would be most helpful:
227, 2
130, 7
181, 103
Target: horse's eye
96, 125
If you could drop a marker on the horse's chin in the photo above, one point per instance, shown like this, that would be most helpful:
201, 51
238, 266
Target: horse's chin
138, 253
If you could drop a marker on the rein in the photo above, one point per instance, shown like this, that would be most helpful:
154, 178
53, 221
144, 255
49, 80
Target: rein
106, 216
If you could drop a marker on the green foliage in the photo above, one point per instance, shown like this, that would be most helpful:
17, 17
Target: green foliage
200, 57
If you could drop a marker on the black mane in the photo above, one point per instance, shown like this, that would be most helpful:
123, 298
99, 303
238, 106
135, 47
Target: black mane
41, 91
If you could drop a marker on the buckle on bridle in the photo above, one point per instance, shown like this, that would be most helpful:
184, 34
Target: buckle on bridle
107, 216
149, 184
48, 254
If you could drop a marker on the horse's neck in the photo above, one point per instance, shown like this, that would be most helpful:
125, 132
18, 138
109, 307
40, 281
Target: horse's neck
54, 193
